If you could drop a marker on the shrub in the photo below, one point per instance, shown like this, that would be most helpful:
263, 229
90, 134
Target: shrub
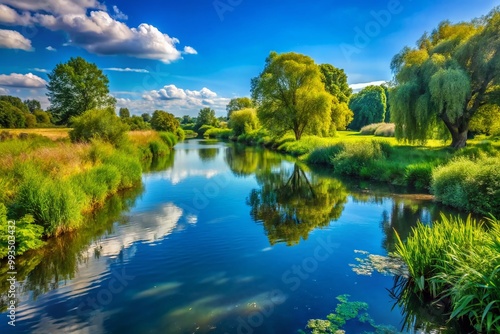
325, 155
244, 121
219, 133
98, 183
385, 130
99, 124
357, 155
180, 133
469, 185
27, 234
159, 148
168, 138
201, 131
370, 129
419, 175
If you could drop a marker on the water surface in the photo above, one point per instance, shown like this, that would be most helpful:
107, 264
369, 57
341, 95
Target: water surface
219, 239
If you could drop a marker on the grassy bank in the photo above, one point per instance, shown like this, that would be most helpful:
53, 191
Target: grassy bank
48, 185
456, 263
459, 178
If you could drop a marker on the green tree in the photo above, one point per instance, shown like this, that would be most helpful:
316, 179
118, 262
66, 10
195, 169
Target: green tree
186, 119
164, 121
369, 106
243, 121
487, 120
75, 87
443, 82
238, 104
42, 117
32, 105
124, 113
101, 124
206, 116
146, 117
335, 81
11, 116
136, 123
291, 96
16, 102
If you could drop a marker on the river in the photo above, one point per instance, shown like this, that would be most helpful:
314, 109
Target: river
219, 238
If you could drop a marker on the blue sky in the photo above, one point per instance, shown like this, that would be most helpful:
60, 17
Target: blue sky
183, 55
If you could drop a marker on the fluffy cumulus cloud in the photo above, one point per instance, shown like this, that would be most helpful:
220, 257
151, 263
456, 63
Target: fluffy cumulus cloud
50, 48
10, 39
97, 31
22, 80
359, 86
176, 100
126, 69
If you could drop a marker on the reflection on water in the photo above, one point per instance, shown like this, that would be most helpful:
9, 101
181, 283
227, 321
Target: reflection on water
290, 206
205, 246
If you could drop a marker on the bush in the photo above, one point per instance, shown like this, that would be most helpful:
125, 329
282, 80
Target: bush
27, 234
168, 138
419, 175
357, 156
325, 155
470, 185
190, 134
99, 124
98, 183
203, 129
181, 135
385, 130
219, 133
370, 129
244, 121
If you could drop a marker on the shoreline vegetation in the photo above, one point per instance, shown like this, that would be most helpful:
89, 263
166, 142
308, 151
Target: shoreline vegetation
50, 183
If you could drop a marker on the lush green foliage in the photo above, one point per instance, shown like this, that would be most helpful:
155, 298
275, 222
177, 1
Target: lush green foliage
164, 121
473, 185
136, 123
459, 260
99, 124
124, 113
27, 234
335, 81
291, 96
206, 117
238, 103
443, 83
11, 116
243, 121
75, 87
219, 133
369, 106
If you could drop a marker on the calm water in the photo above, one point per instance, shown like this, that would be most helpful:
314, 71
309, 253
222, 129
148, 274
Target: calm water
219, 239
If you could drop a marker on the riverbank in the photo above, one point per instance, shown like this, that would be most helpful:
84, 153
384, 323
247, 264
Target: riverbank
49, 185
432, 168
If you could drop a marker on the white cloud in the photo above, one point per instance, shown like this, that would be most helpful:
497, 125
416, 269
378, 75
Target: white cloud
175, 100
56, 6
10, 39
22, 80
10, 16
119, 15
359, 86
50, 48
97, 32
190, 51
40, 70
4, 91
126, 69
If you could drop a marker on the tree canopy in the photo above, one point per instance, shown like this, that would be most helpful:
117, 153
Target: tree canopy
164, 121
369, 106
243, 121
206, 116
32, 105
291, 95
443, 82
124, 113
238, 103
75, 87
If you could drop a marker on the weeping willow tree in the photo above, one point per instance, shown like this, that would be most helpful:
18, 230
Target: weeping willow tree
442, 83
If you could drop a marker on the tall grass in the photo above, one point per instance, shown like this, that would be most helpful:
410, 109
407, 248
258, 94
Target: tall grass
473, 185
460, 261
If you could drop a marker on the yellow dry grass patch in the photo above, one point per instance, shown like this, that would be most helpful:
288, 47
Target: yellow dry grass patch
52, 133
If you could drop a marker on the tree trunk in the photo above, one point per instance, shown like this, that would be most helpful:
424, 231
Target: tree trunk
459, 139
